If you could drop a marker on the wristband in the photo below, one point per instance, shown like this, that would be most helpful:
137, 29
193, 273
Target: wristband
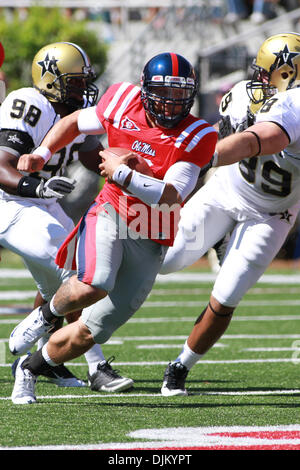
27, 186
121, 173
43, 152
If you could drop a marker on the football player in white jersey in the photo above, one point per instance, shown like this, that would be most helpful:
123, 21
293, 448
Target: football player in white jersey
256, 199
33, 224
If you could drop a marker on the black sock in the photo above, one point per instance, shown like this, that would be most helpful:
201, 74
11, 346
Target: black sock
48, 315
35, 363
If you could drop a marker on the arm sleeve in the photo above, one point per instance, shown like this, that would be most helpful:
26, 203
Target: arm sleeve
183, 176
88, 122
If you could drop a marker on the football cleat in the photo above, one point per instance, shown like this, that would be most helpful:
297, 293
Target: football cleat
24, 387
106, 379
58, 375
174, 380
27, 332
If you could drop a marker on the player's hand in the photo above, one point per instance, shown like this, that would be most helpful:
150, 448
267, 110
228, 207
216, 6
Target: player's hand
58, 186
30, 162
110, 163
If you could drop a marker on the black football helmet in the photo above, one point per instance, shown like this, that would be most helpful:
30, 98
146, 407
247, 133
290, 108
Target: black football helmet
168, 88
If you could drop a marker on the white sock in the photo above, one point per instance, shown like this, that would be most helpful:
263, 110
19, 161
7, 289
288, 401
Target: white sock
47, 357
93, 356
187, 357
42, 341
53, 309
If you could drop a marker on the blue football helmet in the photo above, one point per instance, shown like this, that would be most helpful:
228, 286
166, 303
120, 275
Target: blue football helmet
168, 88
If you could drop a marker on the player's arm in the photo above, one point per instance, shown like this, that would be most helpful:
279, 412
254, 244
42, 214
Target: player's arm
178, 181
263, 138
12, 143
59, 136
9, 175
14, 182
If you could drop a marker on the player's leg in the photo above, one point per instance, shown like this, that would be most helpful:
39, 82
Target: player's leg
99, 321
202, 224
252, 247
72, 340
73, 294
39, 250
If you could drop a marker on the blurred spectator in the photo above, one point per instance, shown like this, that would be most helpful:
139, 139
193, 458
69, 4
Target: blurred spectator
78, 14
237, 10
289, 5
259, 10
263, 10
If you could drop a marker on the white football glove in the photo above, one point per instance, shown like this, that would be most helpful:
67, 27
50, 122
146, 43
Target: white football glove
57, 186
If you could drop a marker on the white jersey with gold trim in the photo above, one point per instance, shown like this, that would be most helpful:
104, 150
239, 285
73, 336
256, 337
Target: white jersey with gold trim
268, 184
25, 118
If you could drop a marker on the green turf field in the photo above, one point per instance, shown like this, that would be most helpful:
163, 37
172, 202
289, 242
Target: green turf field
250, 380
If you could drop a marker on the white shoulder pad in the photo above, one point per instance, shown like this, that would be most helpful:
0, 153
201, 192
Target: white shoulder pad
284, 109
28, 111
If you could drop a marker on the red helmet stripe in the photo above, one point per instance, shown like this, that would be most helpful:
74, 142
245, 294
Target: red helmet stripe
175, 68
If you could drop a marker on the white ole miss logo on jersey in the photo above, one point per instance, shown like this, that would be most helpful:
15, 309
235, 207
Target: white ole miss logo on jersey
129, 125
143, 147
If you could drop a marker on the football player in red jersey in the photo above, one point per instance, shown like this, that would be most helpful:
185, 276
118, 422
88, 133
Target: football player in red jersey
125, 229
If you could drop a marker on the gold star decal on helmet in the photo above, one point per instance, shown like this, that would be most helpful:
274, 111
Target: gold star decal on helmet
48, 65
285, 57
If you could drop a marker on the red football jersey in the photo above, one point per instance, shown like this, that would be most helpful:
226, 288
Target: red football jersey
121, 113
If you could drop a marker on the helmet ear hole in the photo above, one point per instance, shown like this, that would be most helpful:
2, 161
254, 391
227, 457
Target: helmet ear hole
49, 85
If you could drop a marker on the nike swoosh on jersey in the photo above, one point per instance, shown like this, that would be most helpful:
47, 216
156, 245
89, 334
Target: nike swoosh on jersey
164, 136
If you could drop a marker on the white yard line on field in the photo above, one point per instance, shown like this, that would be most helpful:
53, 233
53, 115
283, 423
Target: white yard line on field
165, 363
242, 318
181, 277
157, 395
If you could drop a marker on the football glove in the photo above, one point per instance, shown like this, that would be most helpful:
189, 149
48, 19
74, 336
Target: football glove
57, 186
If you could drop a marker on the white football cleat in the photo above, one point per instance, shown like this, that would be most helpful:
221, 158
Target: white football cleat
24, 387
58, 375
27, 332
